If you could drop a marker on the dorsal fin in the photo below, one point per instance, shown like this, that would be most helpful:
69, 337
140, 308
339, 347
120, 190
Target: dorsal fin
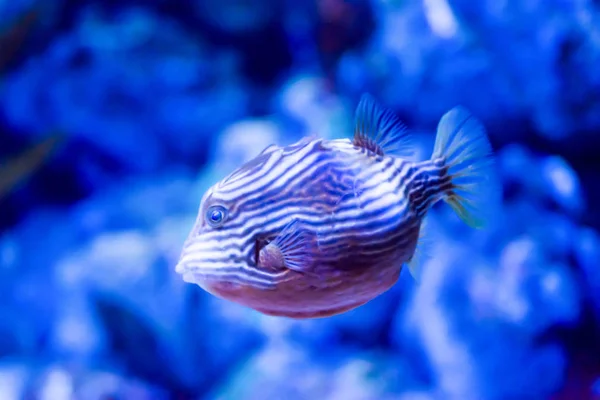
379, 130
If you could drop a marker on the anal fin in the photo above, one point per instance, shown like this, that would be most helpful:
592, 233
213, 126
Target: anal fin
422, 251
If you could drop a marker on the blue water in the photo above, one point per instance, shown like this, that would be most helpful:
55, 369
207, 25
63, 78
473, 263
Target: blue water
158, 100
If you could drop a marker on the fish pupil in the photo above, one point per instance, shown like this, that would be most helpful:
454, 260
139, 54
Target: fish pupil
216, 216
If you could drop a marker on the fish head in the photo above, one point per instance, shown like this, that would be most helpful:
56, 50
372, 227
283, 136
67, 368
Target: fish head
221, 251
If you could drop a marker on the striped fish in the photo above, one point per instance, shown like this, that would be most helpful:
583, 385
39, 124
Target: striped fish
320, 227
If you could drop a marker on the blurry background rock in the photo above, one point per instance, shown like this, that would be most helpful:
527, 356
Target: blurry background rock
154, 100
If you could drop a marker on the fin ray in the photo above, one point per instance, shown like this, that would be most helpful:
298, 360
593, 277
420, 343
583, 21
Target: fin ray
295, 242
462, 144
379, 130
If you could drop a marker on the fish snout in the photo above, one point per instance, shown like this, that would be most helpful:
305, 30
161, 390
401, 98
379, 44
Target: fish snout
187, 263
180, 268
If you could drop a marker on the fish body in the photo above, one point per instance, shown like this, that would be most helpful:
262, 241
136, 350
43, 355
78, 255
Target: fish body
320, 227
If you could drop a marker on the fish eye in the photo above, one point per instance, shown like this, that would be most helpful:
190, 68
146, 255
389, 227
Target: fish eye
215, 216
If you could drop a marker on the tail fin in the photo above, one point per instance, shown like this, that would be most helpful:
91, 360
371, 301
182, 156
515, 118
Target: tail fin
463, 145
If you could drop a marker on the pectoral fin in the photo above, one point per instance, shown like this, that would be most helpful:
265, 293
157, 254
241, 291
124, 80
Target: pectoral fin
293, 248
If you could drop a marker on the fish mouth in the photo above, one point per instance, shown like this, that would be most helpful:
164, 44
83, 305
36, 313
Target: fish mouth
211, 279
180, 268
190, 277
222, 288
200, 277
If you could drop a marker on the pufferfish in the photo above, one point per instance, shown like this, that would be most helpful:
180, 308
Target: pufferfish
320, 227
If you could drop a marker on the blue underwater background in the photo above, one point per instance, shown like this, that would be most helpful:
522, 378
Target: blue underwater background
116, 116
